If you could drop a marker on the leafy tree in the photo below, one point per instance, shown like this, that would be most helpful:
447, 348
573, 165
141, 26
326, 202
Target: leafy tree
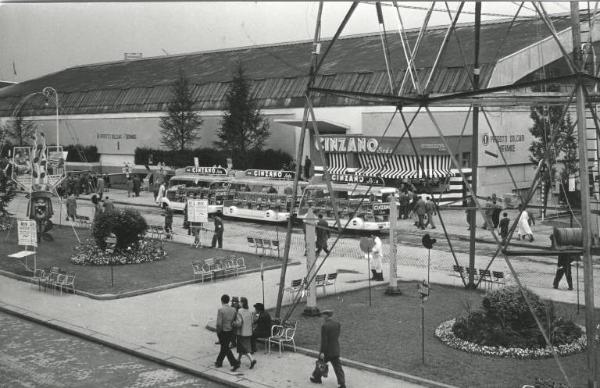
553, 132
7, 189
243, 128
20, 132
181, 126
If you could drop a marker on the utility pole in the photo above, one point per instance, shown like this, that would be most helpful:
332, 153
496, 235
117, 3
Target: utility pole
393, 285
310, 222
588, 275
474, 151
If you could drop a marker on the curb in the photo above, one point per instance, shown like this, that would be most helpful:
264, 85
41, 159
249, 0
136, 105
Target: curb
138, 292
132, 349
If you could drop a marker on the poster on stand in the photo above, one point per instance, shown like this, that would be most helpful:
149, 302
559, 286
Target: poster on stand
27, 233
197, 210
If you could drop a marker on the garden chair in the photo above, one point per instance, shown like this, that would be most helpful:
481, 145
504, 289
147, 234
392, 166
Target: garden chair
282, 335
267, 247
498, 278
275, 244
486, 277
58, 281
252, 244
331, 279
296, 286
321, 281
241, 263
229, 267
259, 245
38, 276
470, 270
69, 282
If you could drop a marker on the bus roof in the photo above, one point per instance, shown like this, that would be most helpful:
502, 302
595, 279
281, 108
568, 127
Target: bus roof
351, 187
206, 178
265, 182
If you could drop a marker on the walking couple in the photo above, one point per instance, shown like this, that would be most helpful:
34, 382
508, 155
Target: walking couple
234, 323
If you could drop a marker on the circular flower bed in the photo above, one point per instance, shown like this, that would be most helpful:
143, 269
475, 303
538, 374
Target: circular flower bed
445, 334
146, 251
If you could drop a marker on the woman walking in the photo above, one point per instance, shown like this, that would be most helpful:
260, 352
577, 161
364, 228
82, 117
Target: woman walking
243, 325
524, 229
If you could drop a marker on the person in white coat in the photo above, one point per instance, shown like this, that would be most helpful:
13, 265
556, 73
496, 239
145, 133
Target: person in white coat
523, 227
377, 254
161, 194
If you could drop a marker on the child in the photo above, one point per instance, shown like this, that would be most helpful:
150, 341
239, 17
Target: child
504, 227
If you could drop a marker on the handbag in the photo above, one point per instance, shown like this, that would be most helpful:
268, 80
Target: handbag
322, 368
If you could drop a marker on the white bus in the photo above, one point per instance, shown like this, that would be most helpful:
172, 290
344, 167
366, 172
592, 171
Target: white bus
210, 183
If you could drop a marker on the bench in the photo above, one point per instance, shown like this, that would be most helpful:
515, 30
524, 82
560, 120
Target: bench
490, 278
219, 266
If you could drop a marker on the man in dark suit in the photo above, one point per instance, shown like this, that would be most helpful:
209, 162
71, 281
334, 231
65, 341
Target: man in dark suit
225, 317
322, 235
330, 349
218, 236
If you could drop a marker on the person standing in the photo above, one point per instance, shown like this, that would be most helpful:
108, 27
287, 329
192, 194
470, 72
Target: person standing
563, 267
377, 253
129, 187
243, 328
497, 210
404, 201
225, 317
261, 325
108, 205
421, 211
430, 209
137, 183
160, 194
322, 235
488, 212
218, 235
168, 221
330, 349
307, 166
523, 227
71, 207
504, 227
100, 186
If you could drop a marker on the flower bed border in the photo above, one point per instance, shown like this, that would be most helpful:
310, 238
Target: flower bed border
88, 253
445, 334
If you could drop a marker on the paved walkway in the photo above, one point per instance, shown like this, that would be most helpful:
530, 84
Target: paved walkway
169, 326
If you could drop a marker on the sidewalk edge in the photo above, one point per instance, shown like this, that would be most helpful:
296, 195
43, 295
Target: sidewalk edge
54, 324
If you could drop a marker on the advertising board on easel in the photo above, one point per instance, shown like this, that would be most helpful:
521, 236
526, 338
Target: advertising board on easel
197, 215
27, 237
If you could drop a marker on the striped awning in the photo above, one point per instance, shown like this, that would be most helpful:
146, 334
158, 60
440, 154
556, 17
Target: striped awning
404, 166
337, 163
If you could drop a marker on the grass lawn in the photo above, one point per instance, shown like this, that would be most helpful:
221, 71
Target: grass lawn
96, 279
388, 334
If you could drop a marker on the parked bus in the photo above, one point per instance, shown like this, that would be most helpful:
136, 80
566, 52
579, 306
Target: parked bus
261, 195
210, 183
348, 191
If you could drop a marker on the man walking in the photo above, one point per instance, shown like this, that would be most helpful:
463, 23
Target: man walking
330, 349
322, 235
307, 165
430, 209
218, 236
421, 211
71, 207
225, 317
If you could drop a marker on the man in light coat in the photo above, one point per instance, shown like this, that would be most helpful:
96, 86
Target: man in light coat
377, 254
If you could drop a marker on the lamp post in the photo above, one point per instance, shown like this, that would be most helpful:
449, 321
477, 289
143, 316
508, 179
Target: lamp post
48, 92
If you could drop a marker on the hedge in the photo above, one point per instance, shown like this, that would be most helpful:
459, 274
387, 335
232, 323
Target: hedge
266, 159
80, 153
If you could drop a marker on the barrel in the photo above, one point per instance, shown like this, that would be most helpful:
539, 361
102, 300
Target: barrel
568, 236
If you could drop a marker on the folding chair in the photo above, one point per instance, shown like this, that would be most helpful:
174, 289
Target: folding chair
267, 246
275, 244
498, 278
280, 334
486, 277
38, 276
241, 263
259, 245
69, 282
252, 244
296, 286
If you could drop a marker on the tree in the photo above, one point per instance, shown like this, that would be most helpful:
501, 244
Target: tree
243, 128
553, 132
181, 126
20, 132
7, 191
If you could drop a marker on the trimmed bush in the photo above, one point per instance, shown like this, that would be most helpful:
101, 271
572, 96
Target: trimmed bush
506, 321
266, 159
127, 225
80, 153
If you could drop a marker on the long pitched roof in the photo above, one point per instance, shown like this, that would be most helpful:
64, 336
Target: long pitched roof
279, 73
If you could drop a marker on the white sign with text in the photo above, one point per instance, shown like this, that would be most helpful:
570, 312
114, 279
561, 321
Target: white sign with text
197, 210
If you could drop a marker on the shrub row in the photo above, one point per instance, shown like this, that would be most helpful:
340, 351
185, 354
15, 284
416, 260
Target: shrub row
267, 159
81, 153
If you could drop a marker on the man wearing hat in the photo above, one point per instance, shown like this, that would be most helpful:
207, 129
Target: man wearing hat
261, 324
330, 349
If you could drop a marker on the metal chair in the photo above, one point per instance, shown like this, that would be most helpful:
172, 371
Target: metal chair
486, 277
331, 279
296, 286
252, 243
321, 281
498, 278
281, 335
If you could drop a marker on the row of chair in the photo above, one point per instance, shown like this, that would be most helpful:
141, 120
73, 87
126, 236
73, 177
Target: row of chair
55, 279
265, 245
300, 286
489, 278
212, 267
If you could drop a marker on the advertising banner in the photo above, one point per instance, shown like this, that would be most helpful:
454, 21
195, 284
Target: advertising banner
21, 171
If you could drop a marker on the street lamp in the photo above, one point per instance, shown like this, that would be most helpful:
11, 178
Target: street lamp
48, 92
